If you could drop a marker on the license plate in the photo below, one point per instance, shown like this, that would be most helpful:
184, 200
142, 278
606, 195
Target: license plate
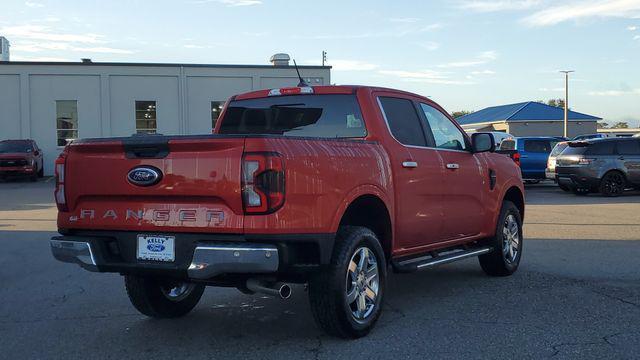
156, 247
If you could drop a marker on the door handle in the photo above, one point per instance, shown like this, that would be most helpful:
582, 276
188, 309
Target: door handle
524, 156
453, 166
409, 164
621, 158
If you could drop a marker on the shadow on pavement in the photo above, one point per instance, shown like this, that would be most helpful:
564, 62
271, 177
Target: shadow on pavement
567, 297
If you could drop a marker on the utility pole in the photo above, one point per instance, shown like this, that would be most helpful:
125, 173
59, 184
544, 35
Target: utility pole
566, 101
324, 57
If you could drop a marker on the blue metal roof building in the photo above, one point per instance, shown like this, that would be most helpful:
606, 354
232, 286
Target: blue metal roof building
528, 119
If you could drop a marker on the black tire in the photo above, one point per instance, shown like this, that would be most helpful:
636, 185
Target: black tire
497, 263
41, 172
33, 178
564, 188
149, 296
328, 288
612, 184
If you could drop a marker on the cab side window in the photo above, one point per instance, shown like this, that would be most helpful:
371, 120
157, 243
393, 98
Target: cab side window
445, 133
403, 121
537, 146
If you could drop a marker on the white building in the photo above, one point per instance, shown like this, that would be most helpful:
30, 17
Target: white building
54, 102
4, 49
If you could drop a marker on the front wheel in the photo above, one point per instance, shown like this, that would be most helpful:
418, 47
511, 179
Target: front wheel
346, 297
162, 298
507, 243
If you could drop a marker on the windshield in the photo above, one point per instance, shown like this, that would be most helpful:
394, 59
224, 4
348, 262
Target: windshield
326, 116
15, 147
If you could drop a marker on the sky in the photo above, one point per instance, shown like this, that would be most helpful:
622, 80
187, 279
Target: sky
465, 55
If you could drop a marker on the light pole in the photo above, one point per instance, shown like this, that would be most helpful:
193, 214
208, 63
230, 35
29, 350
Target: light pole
566, 101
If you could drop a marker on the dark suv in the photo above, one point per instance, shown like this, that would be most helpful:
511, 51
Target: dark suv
608, 166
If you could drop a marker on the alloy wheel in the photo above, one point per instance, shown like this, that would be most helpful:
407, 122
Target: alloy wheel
614, 184
510, 238
362, 283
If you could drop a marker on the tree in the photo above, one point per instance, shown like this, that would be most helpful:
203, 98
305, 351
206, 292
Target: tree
602, 125
556, 102
553, 102
457, 114
620, 125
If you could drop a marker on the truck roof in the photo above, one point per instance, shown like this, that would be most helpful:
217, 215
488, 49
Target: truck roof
322, 90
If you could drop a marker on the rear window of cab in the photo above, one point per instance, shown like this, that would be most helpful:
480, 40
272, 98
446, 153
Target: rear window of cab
324, 116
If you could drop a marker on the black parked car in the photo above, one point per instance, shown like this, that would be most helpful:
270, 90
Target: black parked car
608, 166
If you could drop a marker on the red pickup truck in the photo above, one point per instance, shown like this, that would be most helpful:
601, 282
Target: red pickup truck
328, 186
21, 158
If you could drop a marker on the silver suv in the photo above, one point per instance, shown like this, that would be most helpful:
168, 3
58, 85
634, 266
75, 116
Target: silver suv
608, 166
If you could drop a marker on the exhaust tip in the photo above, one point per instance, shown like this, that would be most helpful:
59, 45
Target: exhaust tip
285, 291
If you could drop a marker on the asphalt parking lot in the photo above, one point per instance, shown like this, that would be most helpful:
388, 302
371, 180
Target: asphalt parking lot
576, 295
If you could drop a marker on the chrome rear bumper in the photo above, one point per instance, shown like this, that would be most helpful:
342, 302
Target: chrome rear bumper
207, 260
243, 258
75, 252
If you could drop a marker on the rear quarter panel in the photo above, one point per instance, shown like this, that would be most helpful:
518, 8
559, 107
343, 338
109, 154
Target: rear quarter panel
322, 177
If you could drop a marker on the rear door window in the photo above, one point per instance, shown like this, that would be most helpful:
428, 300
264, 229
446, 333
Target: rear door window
325, 116
628, 147
537, 146
403, 121
601, 148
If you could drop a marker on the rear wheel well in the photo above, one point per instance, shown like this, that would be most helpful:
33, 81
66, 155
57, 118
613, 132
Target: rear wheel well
614, 171
515, 196
371, 212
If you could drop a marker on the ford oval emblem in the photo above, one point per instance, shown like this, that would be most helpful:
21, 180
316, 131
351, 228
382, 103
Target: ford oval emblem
144, 175
155, 247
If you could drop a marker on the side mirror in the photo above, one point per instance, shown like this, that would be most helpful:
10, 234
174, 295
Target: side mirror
482, 142
36, 153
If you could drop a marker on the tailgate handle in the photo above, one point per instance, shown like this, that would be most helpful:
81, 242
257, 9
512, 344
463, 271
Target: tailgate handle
147, 153
146, 148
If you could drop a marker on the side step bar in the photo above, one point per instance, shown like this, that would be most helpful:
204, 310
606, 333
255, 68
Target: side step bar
434, 259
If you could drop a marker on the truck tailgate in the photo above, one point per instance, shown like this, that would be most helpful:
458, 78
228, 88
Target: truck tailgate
198, 191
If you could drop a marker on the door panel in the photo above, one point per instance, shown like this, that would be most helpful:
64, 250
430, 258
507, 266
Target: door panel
418, 198
465, 184
417, 172
533, 157
464, 176
628, 151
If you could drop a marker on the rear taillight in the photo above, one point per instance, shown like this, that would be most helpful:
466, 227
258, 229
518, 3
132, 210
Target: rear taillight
262, 182
516, 158
59, 194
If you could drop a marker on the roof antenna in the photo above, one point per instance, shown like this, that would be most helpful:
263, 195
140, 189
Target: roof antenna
302, 83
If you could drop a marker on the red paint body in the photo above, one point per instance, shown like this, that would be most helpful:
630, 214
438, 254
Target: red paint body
430, 206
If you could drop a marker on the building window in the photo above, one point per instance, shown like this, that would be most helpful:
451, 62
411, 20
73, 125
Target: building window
146, 117
216, 109
66, 121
